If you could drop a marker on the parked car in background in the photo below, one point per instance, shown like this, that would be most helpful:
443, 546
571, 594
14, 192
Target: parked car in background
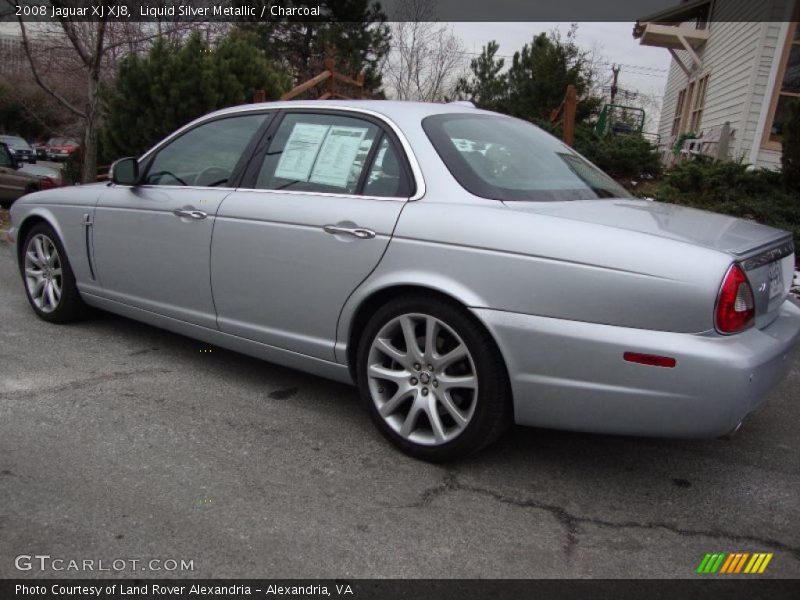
14, 180
49, 177
60, 148
40, 148
464, 269
19, 147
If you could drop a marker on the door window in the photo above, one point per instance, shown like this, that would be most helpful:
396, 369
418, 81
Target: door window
206, 155
318, 153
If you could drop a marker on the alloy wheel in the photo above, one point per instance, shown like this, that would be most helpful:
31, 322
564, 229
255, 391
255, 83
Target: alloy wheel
43, 273
422, 379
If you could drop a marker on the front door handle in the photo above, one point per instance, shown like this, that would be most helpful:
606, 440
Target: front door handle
357, 232
189, 213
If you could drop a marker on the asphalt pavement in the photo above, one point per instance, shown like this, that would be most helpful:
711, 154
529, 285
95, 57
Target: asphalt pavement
119, 441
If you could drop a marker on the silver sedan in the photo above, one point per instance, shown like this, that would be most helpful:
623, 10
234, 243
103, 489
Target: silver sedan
464, 269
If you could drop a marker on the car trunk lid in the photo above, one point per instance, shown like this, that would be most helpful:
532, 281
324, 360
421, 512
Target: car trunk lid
765, 253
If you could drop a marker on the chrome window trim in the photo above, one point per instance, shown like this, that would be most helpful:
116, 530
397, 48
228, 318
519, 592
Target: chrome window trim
416, 171
326, 194
153, 186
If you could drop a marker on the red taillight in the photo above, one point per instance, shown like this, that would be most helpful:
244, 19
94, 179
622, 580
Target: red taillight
47, 183
735, 304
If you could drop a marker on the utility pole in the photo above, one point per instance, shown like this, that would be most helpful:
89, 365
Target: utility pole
615, 69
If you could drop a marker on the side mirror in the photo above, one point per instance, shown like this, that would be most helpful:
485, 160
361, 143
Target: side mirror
125, 171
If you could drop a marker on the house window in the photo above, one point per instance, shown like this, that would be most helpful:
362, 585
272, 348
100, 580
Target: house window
698, 103
787, 88
676, 121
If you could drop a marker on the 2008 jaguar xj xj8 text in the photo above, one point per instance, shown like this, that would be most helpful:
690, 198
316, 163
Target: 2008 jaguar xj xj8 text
463, 268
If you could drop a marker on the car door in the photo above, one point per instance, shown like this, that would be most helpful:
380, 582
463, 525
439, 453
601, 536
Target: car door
12, 183
312, 220
151, 241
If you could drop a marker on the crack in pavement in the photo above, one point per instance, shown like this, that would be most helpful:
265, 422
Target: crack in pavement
82, 383
571, 522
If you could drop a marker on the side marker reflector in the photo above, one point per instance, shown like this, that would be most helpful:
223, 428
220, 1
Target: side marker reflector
652, 360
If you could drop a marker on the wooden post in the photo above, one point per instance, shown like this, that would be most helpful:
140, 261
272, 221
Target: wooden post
570, 106
259, 96
329, 66
360, 87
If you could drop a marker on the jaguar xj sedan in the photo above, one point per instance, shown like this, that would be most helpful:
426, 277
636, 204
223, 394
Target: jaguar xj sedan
464, 269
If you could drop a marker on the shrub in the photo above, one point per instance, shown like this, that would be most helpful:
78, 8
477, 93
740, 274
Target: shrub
72, 167
624, 157
733, 189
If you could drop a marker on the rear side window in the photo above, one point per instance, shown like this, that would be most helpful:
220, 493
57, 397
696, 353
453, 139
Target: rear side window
206, 155
509, 159
317, 153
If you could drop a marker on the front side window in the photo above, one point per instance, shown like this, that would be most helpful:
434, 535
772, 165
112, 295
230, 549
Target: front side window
206, 155
509, 159
318, 153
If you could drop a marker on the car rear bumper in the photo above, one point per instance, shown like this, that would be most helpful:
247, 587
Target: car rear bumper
571, 375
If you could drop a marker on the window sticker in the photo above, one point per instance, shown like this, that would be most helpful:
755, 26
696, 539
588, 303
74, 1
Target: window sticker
337, 155
301, 150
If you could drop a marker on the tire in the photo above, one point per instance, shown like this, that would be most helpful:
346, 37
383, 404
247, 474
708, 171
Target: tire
40, 243
457, 407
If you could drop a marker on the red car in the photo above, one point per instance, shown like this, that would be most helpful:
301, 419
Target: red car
60, 148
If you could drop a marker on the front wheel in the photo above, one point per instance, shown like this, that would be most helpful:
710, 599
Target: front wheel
49, 281
433, 379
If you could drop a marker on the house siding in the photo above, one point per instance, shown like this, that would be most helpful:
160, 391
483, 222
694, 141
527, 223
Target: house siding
738, 58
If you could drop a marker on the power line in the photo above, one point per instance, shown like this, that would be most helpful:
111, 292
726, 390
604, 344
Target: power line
630, 68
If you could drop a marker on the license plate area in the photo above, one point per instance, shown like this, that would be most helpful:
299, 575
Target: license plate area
775, 280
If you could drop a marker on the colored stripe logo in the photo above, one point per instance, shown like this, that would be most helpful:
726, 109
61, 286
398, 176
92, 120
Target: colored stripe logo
734, 562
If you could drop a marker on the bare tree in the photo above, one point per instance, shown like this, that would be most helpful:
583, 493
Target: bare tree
426, 57
70, 58
88, 42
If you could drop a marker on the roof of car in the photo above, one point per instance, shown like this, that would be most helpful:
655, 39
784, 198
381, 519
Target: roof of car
389, 108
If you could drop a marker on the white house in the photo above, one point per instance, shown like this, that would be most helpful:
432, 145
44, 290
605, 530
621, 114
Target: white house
734, 62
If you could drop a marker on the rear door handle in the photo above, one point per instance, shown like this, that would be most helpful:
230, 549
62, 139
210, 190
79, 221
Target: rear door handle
189, 213
357, 232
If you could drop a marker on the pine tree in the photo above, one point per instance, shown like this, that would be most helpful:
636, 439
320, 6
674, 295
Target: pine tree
487, 87
535, 82
177, 82
354, 30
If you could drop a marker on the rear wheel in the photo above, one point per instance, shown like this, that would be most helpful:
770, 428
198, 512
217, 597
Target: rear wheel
49, 281
432, 378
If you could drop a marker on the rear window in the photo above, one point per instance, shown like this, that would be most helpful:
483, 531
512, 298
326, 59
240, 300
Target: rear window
508, 159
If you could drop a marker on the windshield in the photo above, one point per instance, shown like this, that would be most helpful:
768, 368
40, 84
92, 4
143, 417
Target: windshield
509, 159
15, 142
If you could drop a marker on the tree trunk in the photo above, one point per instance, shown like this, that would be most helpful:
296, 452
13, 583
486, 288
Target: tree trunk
89, 150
